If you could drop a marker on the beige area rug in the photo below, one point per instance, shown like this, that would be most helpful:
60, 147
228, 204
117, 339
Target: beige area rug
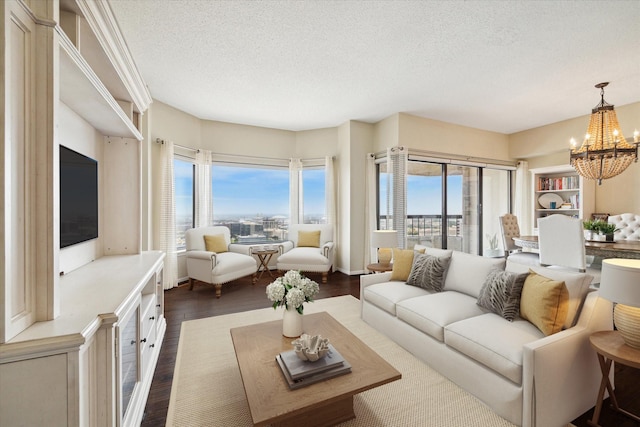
207, 388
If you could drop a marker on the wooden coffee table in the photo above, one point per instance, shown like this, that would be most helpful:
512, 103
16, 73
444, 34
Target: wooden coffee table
325, 403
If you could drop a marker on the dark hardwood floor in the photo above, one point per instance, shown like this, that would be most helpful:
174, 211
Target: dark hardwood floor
182, 304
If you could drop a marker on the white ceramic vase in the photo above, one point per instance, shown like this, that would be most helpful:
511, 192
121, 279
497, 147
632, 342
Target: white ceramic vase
291, 323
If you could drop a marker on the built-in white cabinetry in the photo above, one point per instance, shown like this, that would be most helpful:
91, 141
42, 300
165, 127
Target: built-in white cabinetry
560, 190
98, 356
77, 347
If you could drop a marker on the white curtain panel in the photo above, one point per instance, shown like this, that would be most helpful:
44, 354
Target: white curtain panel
330, 192
370, 208
330, 198
204, 194
295, 190
398, 160
168, 216
522, 200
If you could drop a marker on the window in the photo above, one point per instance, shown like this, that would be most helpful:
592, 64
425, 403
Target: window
183, 183
252, 201
313, 197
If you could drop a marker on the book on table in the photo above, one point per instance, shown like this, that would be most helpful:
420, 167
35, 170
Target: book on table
307, 373
299, 368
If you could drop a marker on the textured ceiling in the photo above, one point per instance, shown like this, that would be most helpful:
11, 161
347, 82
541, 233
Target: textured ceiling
503, 66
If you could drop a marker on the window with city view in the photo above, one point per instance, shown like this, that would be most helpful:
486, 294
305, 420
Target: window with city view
426, 206
252, 201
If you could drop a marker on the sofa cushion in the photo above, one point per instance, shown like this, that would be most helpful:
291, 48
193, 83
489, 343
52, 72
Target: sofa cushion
428, 272
433, 251
304, 256
431, 313
577, 285
215, 243
501, 293
385, 295
492, 341
544, 303
402, 262
467, 272
309, 239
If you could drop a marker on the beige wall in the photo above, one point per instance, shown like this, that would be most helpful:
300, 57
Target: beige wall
431, 135
317, 143
549, 146
350, 142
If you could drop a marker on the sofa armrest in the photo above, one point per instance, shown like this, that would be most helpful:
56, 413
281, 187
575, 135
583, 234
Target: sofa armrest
286, 246
240, 248
327, 248
204, 255
561, 374
372, 279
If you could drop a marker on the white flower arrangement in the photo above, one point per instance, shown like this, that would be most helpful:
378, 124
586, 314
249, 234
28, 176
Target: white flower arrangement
292, 290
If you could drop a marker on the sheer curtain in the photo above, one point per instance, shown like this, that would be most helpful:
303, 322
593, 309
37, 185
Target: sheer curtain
371, 221
397, 164
330, 198
203, 215
295, 190
168, 216
522, 201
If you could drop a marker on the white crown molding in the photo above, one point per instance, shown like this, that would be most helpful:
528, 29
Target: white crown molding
103, 23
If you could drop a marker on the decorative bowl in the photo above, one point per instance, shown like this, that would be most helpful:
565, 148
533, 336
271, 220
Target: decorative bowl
311, 348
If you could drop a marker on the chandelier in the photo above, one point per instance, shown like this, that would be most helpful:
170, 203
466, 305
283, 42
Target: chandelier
605, 152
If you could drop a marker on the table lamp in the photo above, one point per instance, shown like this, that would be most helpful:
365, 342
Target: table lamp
620, 283
384, 240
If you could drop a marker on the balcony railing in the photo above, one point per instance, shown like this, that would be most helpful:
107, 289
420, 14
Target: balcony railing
427, 229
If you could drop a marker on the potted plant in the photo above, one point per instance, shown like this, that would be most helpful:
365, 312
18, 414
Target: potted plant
590, 228
605, 229
492, 241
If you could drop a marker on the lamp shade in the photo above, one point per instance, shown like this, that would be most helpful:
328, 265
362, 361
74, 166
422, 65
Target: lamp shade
620, 281
384, 239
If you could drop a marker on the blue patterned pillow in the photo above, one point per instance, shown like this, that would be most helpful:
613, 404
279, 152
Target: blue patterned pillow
429, 271
501, 293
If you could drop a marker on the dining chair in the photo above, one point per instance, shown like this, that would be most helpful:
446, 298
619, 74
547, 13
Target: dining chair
509, 228
561, 244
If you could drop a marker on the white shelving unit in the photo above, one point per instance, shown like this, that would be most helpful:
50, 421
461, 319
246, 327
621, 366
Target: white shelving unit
574, 196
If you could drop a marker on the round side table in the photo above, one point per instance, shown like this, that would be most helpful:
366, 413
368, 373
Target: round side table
380, 268
264, 256
611, 348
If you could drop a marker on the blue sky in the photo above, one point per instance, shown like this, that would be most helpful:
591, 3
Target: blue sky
424, 195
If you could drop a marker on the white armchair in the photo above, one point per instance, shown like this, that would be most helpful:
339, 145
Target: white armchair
219, 267
305, 251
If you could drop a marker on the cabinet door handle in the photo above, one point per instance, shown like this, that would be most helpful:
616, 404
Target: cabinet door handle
152, 345
152, 318
143, 340
133, 342
157, 305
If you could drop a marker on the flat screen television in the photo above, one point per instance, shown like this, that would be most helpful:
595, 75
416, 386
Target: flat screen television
78, 198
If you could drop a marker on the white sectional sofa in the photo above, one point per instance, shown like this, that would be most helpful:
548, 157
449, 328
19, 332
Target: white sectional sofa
526, 377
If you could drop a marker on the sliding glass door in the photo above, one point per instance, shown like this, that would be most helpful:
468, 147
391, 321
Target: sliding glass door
462, 208
449, 206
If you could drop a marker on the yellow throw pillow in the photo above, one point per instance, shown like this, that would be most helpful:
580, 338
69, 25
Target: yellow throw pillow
402, 262
544, 302
215, 243
309, 239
